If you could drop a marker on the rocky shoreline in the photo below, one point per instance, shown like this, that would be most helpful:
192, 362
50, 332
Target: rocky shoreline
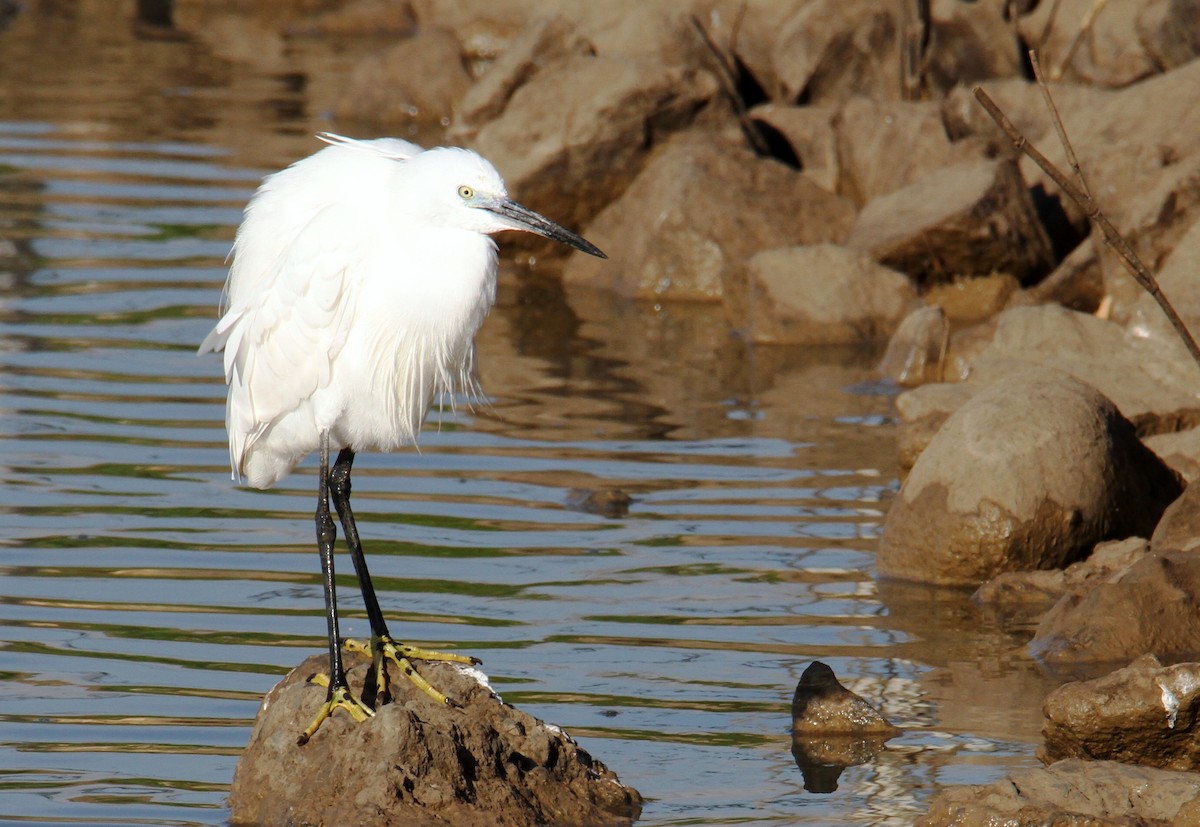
822, 171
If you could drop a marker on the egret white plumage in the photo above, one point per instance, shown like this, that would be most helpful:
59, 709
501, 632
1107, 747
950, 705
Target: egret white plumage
360, 276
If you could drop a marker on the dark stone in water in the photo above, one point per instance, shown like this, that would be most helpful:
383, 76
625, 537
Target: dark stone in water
832, 729
822, 706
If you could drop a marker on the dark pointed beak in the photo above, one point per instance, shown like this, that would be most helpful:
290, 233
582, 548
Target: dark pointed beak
523, 218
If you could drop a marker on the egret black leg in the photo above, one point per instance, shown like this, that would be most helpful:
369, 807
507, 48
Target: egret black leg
339, 492
338, 694
381, 648
326, 536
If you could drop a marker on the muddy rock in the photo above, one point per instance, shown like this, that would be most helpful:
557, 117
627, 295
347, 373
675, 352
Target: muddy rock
828, 50
821, 294
1170, 31
1153, 218
757, 28
574, 136
418, 763
542, 42
1151, 607
974, 299
1180, 450
1145, 604
1179, 528
809, 134
1022, 590
963, 220
662, 31
965, 346
418, 81
1023, 104
484, 29
1077, 283
1139, 151
697, 212
916, 353
1143, 714
1046, 587
1111, 54
1136, 372
1070, 792
1030, 473
1150, 383
922, 412
1177, 279
885, 145
971, 42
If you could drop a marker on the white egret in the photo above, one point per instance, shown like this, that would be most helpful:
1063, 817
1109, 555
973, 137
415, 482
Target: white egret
360, 276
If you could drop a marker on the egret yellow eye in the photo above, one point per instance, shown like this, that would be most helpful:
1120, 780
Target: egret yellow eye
466, 192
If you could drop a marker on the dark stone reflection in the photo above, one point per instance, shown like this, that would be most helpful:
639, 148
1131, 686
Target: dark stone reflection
832, 728
822, 760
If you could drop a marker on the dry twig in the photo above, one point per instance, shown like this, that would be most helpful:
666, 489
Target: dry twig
727, 76
1049, 27
1058, 124
1092, 210
915, 31
1085, 28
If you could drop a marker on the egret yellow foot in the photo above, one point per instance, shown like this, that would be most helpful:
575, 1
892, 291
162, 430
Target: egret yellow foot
339, 698
383, 649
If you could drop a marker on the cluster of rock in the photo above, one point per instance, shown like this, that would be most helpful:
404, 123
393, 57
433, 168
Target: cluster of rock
822, 170
776, 158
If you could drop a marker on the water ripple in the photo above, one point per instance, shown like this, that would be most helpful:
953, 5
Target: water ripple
147, 602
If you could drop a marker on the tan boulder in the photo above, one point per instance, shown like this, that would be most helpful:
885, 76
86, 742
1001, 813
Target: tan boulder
968, 219
821, 294
1071, 792
418, 81
885, 145
573, 137
1030, 473
1109, 53
697, 212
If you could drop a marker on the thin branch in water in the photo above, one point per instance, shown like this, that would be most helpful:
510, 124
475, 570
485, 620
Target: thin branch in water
1112, 238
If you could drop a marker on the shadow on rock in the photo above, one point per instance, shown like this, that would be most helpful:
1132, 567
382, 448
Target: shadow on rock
832, 729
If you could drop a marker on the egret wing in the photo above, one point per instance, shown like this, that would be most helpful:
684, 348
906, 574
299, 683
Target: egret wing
281, 341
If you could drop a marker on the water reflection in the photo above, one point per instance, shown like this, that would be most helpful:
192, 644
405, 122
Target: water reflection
147, 604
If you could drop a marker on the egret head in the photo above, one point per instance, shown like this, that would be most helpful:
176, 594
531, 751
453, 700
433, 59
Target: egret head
461, 189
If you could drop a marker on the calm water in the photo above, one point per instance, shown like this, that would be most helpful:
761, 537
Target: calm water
147, 603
